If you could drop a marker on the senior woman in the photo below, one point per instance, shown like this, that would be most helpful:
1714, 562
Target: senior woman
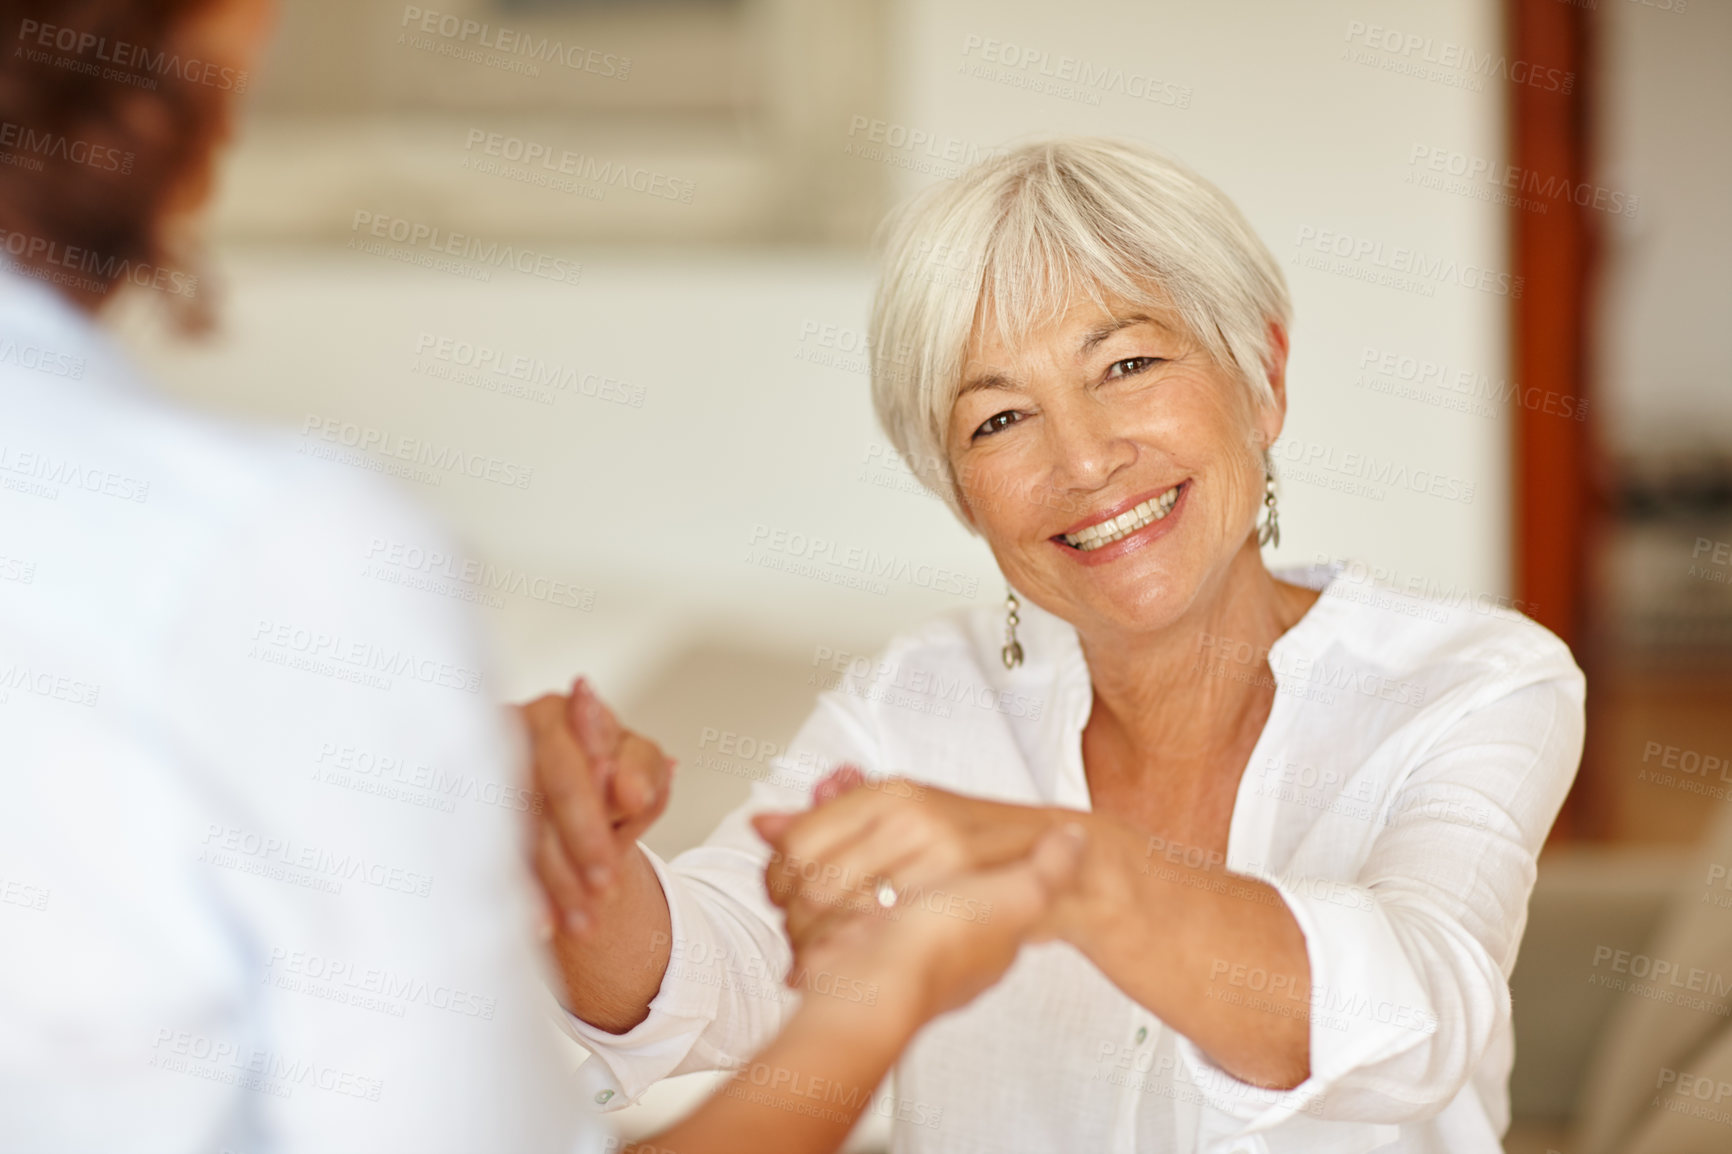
1312, 816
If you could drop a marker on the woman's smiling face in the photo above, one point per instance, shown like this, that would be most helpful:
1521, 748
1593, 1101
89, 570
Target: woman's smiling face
1115, 470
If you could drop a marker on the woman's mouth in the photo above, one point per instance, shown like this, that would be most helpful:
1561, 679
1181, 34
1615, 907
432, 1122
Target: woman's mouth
1107, 530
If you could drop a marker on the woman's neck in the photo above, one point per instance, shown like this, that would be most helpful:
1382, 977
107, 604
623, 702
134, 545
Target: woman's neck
1193, 688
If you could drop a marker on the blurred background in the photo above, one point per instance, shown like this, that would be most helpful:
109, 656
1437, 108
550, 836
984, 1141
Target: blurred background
634, 276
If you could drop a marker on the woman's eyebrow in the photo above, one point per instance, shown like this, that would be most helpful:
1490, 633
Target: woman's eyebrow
1096, 335
984, 381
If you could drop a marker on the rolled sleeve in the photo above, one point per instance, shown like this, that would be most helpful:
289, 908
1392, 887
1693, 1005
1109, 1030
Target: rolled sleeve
623, 1066
1410, 959
723, 998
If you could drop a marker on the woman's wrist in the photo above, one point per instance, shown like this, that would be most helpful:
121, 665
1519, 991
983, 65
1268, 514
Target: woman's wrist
874, 1010
1100, 895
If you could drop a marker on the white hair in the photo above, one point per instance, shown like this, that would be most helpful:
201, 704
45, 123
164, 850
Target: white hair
1020, 235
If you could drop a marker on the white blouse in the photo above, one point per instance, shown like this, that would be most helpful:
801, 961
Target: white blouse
1414, 759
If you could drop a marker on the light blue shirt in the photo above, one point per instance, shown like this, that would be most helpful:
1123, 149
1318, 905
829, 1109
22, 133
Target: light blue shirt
260, 887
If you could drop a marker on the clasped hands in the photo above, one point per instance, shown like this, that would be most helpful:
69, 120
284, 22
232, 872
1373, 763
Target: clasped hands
926, 893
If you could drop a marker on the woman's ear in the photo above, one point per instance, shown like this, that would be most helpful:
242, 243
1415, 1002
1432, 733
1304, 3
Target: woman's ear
1271, 417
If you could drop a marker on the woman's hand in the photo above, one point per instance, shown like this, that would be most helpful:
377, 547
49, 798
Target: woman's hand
919, 957
833, 861
601, 786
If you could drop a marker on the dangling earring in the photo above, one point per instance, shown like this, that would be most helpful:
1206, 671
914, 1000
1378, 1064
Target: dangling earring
1269, 533
1012, 651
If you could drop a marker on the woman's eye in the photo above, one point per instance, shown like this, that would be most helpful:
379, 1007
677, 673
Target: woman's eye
1131, 366
998, 421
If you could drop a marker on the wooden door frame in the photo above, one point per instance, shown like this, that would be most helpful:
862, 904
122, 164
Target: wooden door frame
1556, 508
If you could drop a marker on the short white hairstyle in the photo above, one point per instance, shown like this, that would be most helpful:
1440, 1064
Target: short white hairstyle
1020, 236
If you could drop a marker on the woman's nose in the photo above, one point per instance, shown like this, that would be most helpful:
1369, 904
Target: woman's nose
1086, 444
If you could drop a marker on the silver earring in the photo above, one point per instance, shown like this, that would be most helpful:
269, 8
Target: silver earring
1269, 533
1012, 651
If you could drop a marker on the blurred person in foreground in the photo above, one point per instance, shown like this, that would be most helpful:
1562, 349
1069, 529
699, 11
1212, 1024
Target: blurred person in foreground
216, 934
1313, 806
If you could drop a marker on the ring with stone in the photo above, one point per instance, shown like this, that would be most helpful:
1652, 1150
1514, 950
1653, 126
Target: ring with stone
886, 894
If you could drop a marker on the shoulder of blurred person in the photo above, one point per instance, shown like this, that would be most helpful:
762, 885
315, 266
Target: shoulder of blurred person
256, 776
163, 497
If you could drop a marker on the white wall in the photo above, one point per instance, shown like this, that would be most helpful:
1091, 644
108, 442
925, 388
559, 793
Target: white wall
1666, 347
654, 507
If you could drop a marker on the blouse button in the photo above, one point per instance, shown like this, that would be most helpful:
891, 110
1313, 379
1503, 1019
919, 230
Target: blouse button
1142, 1034
602, 1097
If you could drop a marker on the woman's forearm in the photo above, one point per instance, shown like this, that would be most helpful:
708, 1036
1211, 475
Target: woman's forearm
803, 1093
612, 971
1216, 955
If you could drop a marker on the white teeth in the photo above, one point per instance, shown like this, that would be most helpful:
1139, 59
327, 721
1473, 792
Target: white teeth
1126, 523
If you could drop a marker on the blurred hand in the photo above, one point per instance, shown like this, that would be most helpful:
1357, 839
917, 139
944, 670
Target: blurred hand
830, 860
939, 945
602, 786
